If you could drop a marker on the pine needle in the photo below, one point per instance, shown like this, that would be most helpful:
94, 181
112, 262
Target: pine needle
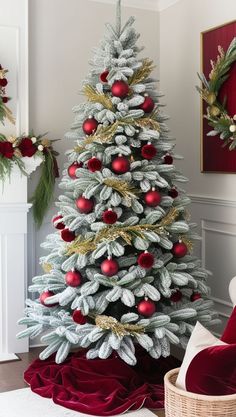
96, 97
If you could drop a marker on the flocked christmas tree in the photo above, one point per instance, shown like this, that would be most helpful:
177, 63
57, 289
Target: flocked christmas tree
119, 270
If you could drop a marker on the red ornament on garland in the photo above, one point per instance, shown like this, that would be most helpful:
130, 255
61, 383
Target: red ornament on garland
59, 225
146, 260
148, 151
195, 296
3, 82
109, 216
44, 296
90, 126
152, 198
103, 76
73, 278
72, 169
173, 193
168, 159
85, 205
67, 235
179, 249
120, 89
5, 99
78, 317
120, 165
146, 308
94, 164
148, 105
176, 296
109, 267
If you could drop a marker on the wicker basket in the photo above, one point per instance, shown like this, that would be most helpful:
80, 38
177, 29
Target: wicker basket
179, 403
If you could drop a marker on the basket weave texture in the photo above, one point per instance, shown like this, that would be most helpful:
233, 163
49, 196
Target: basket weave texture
179, 403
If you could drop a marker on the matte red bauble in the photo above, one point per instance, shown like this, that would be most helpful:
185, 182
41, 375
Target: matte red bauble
94, 164
73, 278
85, 205
179, 249
120, 165
109, 267
195, 296
168, 159
78, 317
148, 151
90, 126
146, 308
120, 89
3, 82
152, 198
146, 260
148, 105
103, 76
176, 296
44, 296
72, 169
173, 193
67, 235
109, 217
5, 99
59, 225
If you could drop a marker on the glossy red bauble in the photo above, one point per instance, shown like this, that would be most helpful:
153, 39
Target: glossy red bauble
179, 249
146, 308
148, 151
120, 165
5, 99
109, 217
3, 82
85, 205
73, 278
120, 89
195, 296
168, 159
109, 267
176, 296
72, 169
148, 105
78, 317
94, 164
90, 126
152, 198
67, 235
103, 76
173, 193
146, 260
44, 296
58, 225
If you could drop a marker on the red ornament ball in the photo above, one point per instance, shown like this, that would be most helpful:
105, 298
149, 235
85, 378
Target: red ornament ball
78, 317
173, 193
109, 217
3, 82
5, 99
67, 235
73, 278
176, 296
59, 225
148, 151
146, 260
109, 267
152, 198
120, 165
148, 105
120, 89
146, 308
179, 249
195, 296
72, 169
44, 296
85, 205
94, 164
168, 159
103, 76
90, 126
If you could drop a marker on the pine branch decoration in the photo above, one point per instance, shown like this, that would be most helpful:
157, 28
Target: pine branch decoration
142, 73
96, 97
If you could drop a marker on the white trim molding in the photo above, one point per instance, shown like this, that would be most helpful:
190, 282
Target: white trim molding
157, 5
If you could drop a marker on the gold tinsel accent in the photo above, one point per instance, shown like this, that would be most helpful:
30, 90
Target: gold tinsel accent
46, 142
142, 73
8, 114
96, 97
11, 139
187, 242
119, 329
122, 187
17, 153
47, 267
3, 73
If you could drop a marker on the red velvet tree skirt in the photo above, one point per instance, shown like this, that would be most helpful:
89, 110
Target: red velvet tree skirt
101, 387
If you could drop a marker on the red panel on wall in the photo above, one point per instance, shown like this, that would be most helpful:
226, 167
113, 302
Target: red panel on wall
215, 158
